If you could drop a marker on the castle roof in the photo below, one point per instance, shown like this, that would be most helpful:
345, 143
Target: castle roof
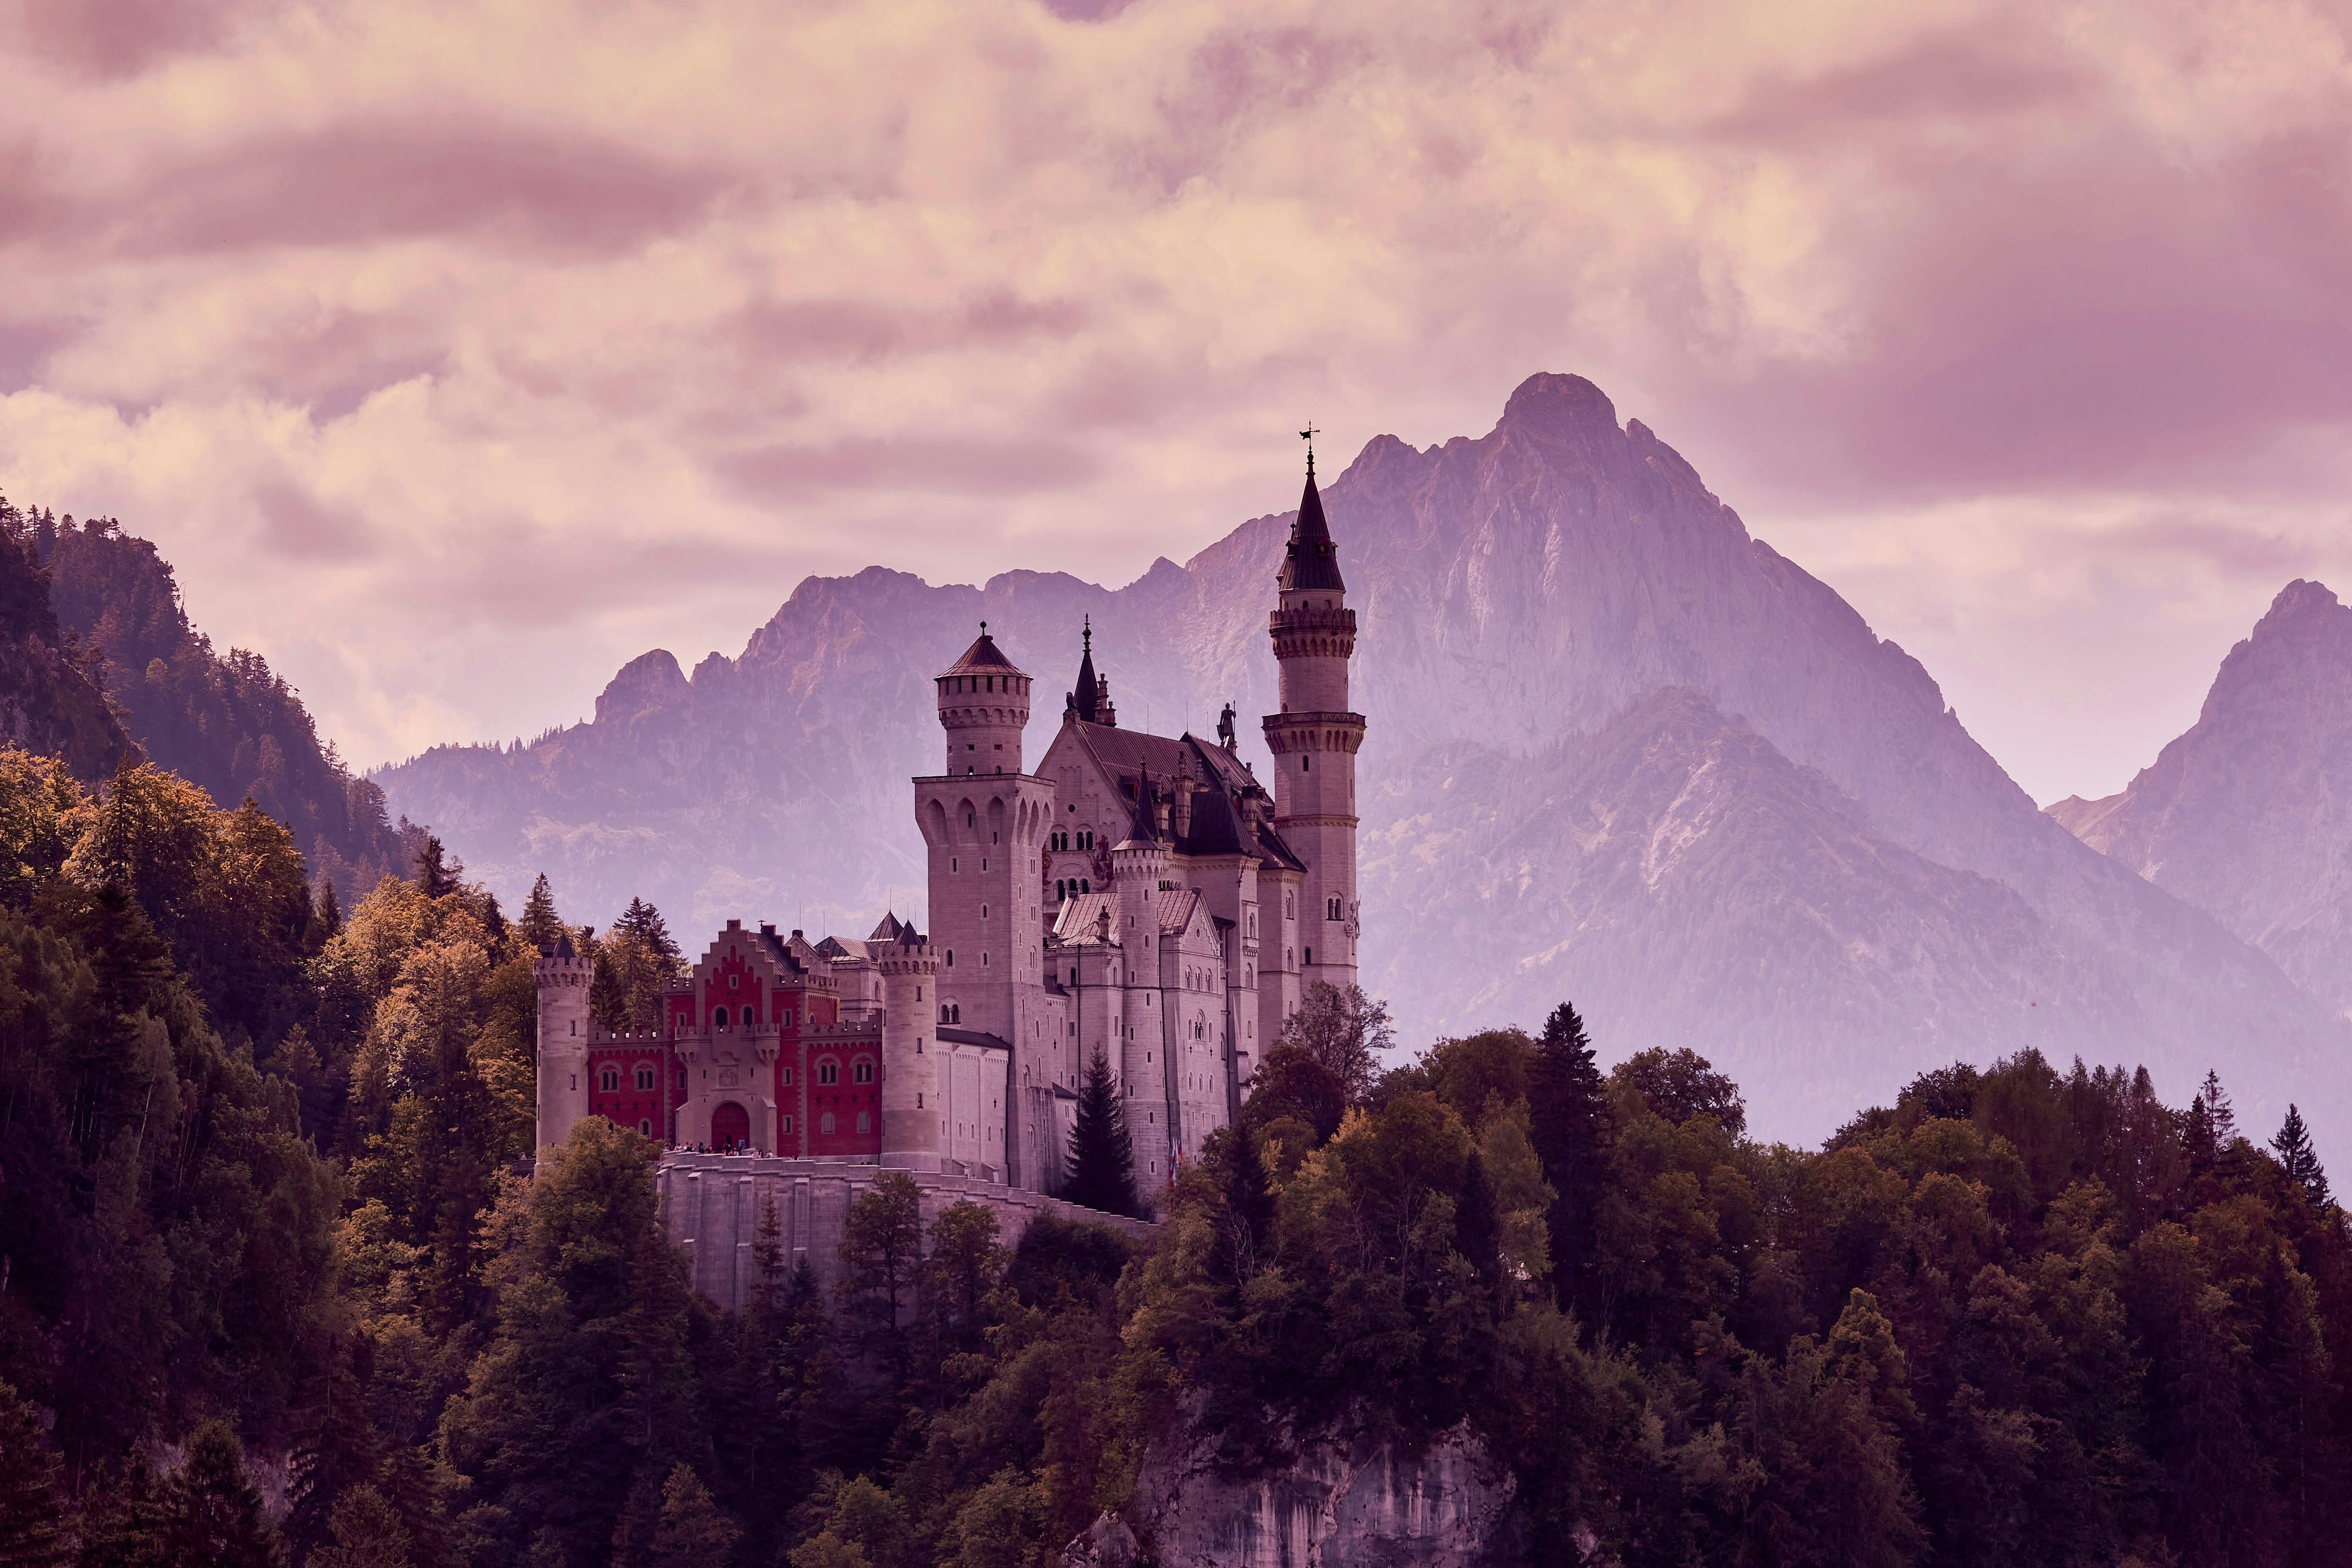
983, 657
1079, 921
1084, 701
1176, 909
1221, 825
1312, 560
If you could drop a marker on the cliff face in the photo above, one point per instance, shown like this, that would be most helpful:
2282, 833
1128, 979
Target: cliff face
1516, 592
2247, 816
1340, 1501
48, 704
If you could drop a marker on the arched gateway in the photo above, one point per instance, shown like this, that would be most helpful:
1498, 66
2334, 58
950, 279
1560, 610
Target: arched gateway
730, 1124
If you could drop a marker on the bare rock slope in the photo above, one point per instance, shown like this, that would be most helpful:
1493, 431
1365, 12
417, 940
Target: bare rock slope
1517, 592
2247, 816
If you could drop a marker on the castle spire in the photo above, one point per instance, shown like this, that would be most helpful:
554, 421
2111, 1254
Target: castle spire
1086, 701
1313, 561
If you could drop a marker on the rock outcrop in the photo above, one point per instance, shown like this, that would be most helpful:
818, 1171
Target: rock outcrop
2248, 815
1340, 1499
1516, 592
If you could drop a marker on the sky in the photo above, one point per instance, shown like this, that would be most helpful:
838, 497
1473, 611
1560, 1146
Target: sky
457, 353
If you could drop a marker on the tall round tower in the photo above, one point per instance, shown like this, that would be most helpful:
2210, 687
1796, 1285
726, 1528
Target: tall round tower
1315, 738
911, 1107
984, 706
563, 978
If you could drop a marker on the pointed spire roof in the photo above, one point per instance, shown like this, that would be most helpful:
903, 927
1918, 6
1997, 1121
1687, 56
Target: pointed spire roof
1083, 700
1143, 825
1313, 561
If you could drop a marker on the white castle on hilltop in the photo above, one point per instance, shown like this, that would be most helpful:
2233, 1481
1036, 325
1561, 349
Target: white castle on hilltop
1136, 896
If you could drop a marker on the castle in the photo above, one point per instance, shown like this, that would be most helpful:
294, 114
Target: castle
1136, 896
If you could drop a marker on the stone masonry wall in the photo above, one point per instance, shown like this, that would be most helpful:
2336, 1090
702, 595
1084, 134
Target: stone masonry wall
711, 1206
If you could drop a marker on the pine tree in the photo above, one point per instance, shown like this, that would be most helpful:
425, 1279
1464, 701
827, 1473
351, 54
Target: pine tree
212, 1509
692, 1531
124, 1519
645, 923
2294, 1152
368, 1534
30, 1512
2218, 1114
1570, 1127
540, 926
1102, 1154
435, 878
328, 922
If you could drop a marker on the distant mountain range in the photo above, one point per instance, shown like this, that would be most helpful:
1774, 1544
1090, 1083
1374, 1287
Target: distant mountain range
1619, 751
2249, 814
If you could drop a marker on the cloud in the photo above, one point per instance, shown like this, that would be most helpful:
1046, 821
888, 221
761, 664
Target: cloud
522, 336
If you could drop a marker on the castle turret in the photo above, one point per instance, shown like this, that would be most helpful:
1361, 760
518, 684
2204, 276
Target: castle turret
564, 979
911, 1103
1315, 738
984, 706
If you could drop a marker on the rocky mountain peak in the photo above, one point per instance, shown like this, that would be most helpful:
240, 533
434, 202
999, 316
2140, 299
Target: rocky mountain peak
1560, 408
648, 681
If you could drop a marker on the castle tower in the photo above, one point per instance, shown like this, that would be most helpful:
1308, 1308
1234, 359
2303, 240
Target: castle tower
1315, 738
984, 706
910, 1074
564, 979
983, 822
1138, 863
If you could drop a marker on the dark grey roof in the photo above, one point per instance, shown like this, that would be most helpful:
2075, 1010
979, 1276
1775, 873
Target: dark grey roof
972, 1037
1084, 701
1312, 561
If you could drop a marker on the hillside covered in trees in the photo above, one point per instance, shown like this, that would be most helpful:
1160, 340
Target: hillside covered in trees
274, 1287
223, 722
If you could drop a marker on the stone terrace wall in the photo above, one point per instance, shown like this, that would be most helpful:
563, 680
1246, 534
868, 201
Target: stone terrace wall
711, 1205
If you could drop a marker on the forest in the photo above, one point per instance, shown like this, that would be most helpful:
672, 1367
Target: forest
279, 1284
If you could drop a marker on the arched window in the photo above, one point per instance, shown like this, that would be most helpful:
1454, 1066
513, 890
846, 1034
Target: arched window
865, 1122
645, 1125
957, 1010
644, 1077
825, 1122
1085, 886
719, 1018
828, 1071
609, 1080
861, 1072
943, 1014
788, 1124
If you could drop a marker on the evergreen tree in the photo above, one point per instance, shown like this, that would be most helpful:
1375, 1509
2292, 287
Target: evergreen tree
367, 1534
1570, 1126
692, 1531
435, 876
30, 1512
540, 926
1102, 1155
643, 922
123, 1518
2294, 1152
212, 1509
2218, 1114
329, 922
881, 1249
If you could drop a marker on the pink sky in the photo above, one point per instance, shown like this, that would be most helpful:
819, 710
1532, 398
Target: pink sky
457, 354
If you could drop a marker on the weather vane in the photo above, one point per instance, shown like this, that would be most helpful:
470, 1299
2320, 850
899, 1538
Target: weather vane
1308, 435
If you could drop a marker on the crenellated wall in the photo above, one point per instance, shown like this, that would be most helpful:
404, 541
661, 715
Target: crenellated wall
711, 1204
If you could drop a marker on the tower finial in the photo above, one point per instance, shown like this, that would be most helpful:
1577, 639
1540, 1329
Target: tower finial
1308, 435
983, 628
1088, 635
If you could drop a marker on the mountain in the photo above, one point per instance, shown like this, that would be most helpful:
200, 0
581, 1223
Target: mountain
50, 701
1519, 592
223, 723
2247, 816
1673, 867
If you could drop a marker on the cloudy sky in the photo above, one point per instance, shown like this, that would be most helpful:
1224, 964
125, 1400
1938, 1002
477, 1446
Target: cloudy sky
457, 353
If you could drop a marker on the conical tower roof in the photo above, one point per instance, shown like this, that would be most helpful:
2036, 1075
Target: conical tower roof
1313, 562
1083, 702
983, 657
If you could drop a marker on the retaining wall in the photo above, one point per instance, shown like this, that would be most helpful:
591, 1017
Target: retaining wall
711, 1206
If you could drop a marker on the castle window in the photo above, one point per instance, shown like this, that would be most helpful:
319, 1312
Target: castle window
734, 983
719, 1018
828, 1071
865, 1122
1310, 955
943, 1015
825, 1122
787, 1125
788, 1078
644, 1077
983, 911
862, 1071
646, 1126
1305, 763
681, 1078
1334, 913
1085, 886
787, 1021
609, 1080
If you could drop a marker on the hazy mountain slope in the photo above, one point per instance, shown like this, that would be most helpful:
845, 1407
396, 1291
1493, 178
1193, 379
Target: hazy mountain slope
1512, 590
226, 723
1689, 886
2247, 816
